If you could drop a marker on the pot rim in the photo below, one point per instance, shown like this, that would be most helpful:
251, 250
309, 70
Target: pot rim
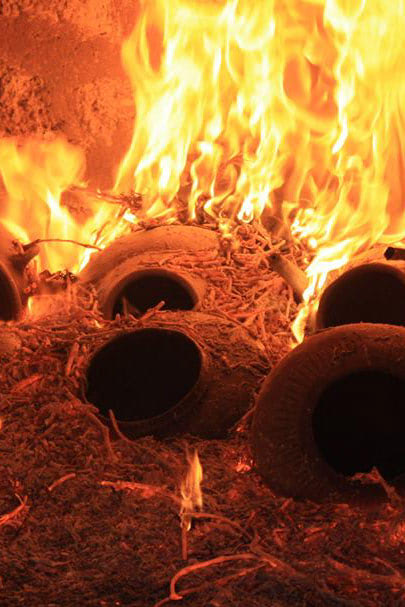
150, 426
389, 267
117, 286
284, 448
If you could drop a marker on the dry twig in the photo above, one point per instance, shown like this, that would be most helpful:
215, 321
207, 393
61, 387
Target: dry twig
61, 480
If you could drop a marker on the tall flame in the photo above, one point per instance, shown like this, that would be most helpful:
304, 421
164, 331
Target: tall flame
34, 175
292, 105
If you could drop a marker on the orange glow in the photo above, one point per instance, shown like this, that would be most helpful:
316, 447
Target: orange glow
190, 489
286, 104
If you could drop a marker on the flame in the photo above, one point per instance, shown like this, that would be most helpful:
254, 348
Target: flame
36, 176
290, 105
295, 106
190, 490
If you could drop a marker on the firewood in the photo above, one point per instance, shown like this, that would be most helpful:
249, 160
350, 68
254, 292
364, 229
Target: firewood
291, 273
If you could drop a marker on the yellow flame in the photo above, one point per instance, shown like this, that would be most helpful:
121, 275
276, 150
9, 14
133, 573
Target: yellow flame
292, 105
190, 489
35, 174
286, 104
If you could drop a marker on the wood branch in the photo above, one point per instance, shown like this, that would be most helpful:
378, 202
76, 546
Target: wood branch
291, 273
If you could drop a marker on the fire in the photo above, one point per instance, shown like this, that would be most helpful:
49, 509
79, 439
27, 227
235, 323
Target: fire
240, 106
34, 176
190, 489
295, 106
38, 177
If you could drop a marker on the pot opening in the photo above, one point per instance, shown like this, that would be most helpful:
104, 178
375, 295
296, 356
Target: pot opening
359, 423
144, 290
371, 293
143, 374
8, 305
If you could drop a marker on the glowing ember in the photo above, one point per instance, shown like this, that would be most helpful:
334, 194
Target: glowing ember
240, 105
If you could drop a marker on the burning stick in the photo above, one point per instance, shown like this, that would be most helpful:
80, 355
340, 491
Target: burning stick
132, 201
79, 244
191, 498
291, 273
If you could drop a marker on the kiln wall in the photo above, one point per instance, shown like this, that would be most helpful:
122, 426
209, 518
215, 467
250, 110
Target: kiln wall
60, 72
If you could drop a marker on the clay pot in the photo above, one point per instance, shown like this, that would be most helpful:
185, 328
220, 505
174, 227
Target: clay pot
334, 407
371, 292
178, 373
14, 259
129, 275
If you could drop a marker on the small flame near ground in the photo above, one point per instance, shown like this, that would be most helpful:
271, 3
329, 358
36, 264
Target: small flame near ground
190, 489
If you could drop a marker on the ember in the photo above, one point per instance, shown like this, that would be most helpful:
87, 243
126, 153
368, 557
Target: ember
170, 228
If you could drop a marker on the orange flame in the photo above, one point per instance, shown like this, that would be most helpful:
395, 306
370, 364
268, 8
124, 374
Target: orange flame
35, 175
291, 105
190, 489
286, 104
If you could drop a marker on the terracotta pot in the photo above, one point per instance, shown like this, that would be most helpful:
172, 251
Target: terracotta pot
14, 259
181, 372
372, 292
333, 407
130, 275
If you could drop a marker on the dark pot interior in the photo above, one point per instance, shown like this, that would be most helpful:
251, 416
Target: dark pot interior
369, 293
143, 290
143, 374
359, 423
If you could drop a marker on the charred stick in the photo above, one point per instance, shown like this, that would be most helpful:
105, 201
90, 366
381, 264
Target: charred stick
394, 253
184, 543
29, 247
218, 582
104, 433
115, 426
222, 519
74, 351
175, 596
291, 273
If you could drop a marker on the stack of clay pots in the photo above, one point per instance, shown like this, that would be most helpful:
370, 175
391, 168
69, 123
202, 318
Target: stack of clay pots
182, 369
